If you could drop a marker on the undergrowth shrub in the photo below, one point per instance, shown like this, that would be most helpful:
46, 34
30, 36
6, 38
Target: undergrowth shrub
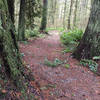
93, 66
31, 33
71, 39
56, 62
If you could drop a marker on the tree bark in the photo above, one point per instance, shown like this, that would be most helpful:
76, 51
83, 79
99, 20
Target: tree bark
90, 43
11, 15
11, 9
44, 15
64, 14
75, 13
9, 54
21, 26
69, 17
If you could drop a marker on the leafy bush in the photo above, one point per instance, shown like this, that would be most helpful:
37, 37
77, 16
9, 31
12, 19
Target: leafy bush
93, 66
69, 49
31, 33
71, 37
96, 58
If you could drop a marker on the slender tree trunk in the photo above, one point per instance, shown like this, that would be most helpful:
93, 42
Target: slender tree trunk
44, 15
64, 14
21, 26
90, 43
69, 17
52, 11
75, 13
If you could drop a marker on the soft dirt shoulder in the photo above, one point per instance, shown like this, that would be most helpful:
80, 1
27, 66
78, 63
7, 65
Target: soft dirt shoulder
59, 83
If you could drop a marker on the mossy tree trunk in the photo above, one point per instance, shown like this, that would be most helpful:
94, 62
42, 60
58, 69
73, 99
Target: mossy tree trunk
44, 15
90, 43
21, 25
9, 53
11, 9
10, 4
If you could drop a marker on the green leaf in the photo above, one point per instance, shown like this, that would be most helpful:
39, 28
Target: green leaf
67, 66
96, 58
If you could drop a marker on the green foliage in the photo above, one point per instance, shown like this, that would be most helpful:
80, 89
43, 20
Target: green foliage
25, 42
51, 85
55, 63
41, 35
33, 11
52, 28
69, 48
22, 55
96, 58
93, 66
67, 66
31, 33
71, 37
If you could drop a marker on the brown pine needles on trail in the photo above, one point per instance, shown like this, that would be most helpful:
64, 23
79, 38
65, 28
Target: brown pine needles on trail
59, 83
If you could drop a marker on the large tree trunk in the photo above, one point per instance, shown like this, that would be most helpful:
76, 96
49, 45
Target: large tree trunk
21, 26
11, 15
44, 15
11, 9
90, 43
9, 53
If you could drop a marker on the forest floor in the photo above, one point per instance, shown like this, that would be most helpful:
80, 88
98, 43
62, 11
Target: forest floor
58, 83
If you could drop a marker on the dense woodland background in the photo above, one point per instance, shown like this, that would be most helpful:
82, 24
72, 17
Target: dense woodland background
59, 13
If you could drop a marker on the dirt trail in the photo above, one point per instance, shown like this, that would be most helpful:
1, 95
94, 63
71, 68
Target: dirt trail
59, 83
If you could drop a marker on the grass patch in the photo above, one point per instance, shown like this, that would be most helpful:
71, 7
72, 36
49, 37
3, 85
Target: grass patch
58, 29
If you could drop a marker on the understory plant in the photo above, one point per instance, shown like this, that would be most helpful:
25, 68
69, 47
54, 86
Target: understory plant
32, 33
52, 29
54, 63
71, 39
93, 66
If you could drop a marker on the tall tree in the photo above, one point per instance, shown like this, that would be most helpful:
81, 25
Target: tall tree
75, 13
70, 12
90, 44
44, 15
64, 13
21, 26
11, 9
10, 4
9, 53
33, 10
